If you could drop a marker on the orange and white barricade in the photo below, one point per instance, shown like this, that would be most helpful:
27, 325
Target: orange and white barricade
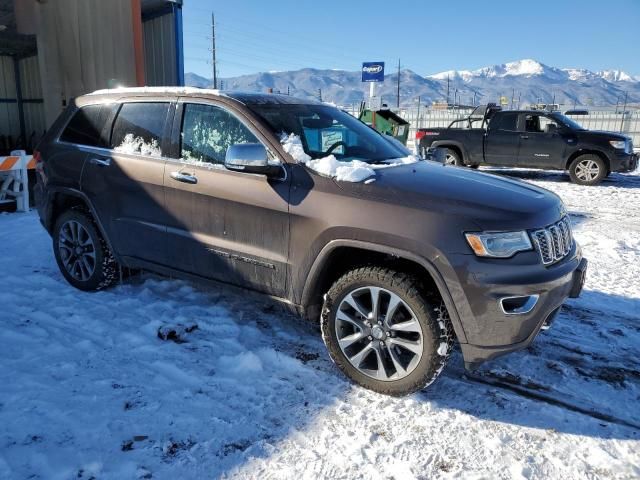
14, 180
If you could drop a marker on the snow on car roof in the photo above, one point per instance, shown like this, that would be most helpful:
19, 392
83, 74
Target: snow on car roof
174, 90
253, 98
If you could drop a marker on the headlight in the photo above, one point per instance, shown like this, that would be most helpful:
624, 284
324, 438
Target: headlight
619, 144
499, 245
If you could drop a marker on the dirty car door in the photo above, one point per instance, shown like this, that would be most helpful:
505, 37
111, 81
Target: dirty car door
228, 226
125, 181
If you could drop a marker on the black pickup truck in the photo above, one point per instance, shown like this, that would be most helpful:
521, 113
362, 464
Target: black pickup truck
531, 139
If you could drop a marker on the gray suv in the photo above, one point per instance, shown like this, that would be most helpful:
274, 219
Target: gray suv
396, 267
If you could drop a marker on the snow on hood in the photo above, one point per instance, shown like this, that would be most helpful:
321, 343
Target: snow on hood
351, 171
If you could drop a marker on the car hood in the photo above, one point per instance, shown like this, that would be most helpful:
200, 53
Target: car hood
490, 202
603, 134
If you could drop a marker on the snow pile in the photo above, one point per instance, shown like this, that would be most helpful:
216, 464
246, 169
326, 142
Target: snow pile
351, 171
133, 144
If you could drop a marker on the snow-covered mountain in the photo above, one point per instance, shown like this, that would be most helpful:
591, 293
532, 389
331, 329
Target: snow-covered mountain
527, 80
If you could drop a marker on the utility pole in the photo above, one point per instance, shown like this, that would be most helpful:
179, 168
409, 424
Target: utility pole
398, 93
320, 94
418, 114
213, 51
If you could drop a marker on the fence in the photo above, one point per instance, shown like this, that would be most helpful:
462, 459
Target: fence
628, 123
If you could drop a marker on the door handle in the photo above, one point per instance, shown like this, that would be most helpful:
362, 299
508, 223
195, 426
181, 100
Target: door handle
184, 177
103, 162
524, 136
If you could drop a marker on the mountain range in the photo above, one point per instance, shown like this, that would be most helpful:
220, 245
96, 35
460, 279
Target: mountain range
523, 82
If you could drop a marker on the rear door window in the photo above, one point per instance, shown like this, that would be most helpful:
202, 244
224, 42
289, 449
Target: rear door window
139, 127
507, 122
208, 131
87, 126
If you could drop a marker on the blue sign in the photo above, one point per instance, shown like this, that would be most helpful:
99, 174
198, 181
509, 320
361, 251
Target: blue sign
373, 71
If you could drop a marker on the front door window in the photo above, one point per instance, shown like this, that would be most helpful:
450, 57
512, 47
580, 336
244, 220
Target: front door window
208, 131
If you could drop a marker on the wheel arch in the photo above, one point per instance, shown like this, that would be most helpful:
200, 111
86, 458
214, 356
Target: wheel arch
587, 151
63, 199
340, 256
455, 146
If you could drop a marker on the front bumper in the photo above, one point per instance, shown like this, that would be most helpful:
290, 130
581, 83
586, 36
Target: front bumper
477, 286
627, 162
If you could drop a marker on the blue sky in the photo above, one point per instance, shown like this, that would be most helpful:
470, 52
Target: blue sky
428, 36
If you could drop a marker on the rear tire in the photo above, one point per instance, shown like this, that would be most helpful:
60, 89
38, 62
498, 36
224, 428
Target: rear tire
451, 157
83, 256
587, 169
394, 355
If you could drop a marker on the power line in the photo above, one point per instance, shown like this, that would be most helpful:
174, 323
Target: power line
281, 53
311, 39
223, 49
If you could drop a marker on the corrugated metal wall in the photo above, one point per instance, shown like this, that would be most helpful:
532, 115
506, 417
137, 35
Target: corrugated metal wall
83, 45
9, 119
160, 50
33, 106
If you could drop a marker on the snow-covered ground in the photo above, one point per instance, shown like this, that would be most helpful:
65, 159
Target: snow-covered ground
237, 388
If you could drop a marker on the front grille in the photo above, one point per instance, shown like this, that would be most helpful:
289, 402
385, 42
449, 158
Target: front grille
554, 242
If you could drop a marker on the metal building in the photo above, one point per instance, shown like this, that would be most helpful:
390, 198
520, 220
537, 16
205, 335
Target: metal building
54, 50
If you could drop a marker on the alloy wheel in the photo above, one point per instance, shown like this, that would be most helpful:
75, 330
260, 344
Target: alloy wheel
77, 250
379, 333
587, 170
449, 159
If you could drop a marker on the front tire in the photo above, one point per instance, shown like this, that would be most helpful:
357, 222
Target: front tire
383, 333
587, 169
82, 254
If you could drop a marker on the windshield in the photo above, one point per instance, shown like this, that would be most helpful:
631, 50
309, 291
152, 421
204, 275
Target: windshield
326, 130
566, 121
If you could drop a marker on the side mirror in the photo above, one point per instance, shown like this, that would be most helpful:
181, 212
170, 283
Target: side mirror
250, 158
552, 128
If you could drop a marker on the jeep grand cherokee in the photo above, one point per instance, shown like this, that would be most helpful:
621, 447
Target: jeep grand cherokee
196, 184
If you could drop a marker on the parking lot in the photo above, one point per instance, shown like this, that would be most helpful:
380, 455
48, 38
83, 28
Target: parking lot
163, 378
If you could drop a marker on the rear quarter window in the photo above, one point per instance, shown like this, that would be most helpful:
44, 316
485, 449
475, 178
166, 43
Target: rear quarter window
87, 126
139, 127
